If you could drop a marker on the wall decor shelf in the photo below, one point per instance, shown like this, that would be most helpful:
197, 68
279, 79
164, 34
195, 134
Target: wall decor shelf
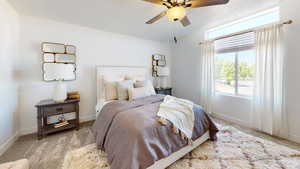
58, 57
158, 60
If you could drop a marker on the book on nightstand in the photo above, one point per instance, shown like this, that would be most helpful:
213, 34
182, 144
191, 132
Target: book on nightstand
73, 95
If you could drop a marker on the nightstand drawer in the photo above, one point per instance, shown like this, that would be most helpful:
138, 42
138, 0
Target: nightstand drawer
60, 109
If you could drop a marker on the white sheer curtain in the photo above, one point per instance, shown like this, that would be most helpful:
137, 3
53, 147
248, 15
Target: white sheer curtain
269, 113
207, 77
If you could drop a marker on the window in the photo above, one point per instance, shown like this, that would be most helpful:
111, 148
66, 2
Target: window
235, 72
235, 56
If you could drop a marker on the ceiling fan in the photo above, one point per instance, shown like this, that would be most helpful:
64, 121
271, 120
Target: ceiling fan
177, 9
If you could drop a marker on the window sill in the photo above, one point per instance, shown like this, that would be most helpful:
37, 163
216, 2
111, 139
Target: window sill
234, 96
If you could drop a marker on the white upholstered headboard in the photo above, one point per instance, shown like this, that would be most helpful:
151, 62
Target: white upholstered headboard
115, 72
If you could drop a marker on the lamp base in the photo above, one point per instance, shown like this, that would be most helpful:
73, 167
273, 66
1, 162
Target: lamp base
164, 82
157, 83
60, 92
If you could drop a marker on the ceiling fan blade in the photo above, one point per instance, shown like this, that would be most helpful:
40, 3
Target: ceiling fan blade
185, 21
156, 18
159, 2
202, 3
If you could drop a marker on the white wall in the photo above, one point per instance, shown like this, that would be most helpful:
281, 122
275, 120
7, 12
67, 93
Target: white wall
186, 80
8, 86
187, 72
290, 10
94, 47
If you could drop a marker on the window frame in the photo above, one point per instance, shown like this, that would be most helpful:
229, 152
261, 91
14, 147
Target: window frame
236, 77
274, 10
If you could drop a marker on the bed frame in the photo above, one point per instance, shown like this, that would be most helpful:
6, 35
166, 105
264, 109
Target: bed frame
140, 73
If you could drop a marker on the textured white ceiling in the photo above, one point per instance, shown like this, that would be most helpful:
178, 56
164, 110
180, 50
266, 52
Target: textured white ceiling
129, 16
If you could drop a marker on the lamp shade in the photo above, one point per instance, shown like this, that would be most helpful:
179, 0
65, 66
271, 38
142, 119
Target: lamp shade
60, 91
163, 71
176, 13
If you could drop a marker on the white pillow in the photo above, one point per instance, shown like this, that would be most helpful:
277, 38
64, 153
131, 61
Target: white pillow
127, 77
150, 88
110, 86
147, 84
111, 92
139, 84
135, 93
122, 88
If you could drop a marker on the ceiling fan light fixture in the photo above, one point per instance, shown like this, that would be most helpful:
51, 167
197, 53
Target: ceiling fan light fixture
176, 13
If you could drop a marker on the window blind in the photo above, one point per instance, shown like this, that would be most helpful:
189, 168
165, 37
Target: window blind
244, 41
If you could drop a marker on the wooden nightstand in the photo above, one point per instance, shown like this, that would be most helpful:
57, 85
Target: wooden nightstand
165, 91
47, 108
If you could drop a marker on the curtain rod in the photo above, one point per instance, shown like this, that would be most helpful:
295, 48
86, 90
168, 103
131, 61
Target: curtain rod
246, 31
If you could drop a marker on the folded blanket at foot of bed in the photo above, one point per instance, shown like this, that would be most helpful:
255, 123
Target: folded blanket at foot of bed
20, 164
181, 115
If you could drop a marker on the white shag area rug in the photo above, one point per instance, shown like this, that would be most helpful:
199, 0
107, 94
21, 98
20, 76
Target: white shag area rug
233, 150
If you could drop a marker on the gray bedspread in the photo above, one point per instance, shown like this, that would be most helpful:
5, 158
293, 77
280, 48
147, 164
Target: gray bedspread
133, 139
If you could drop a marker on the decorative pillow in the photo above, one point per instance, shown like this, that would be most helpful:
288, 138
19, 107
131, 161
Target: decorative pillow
139, 84
122, 88
111, 92
135, 93
147, 84
150, 88
127, 77
110, 86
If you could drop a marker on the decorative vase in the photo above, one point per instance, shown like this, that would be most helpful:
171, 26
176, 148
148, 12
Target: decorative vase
60, 92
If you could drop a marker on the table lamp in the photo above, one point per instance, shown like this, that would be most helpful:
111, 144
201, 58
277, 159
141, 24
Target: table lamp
163, 72
60, 91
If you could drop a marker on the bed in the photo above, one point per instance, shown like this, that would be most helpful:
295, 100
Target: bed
127, 130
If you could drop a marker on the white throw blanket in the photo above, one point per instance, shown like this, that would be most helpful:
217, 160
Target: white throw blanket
180, 113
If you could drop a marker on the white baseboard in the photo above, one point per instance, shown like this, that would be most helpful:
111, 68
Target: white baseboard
295, 138
33, 129
292, 137
90, 117
231, 119
29, 130
9, 142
